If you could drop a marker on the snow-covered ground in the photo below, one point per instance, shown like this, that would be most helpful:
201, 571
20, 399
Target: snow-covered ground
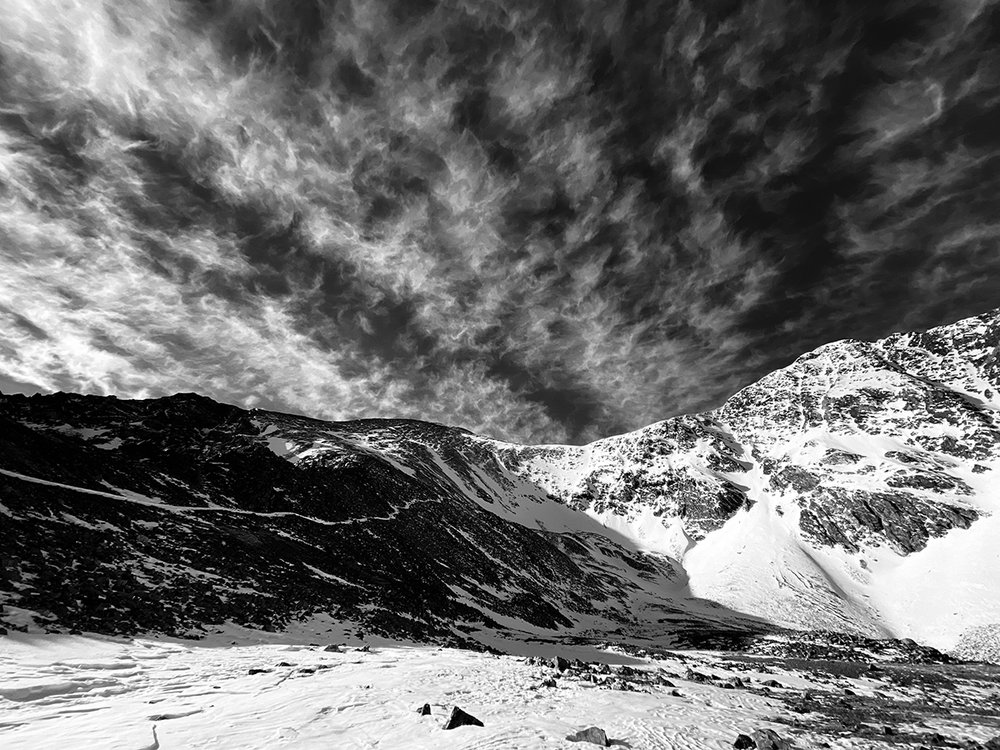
67, 692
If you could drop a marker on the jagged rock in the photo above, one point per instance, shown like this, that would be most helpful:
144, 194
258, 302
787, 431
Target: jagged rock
460, 718
595, 735
254, 670
772, 683
424, 710
744, 742
560, 663
549, 682
333, 648
768, 739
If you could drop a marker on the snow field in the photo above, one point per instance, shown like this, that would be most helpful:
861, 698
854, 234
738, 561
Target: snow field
78, 692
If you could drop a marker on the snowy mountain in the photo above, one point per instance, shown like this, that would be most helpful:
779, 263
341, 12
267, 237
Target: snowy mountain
852, 491
855, 489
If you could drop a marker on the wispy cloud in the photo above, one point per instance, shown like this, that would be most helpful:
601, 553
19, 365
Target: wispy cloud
544, 223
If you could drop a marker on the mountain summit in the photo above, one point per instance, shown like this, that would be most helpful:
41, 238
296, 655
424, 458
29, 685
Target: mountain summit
854, 490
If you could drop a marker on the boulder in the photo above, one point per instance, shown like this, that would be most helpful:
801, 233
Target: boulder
595, 735
559, 663
744, 742
459, 718
768, 739
424, 710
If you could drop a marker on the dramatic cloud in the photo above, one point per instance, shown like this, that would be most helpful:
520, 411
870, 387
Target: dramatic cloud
542, 221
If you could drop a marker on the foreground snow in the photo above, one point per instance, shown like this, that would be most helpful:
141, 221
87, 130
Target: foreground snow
84, 692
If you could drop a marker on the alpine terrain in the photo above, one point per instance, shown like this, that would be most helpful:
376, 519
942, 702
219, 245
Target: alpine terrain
853, 491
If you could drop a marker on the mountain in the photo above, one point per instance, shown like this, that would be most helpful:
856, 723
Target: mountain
854, 490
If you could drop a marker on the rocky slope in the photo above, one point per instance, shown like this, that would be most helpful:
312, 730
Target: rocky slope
174, 513
854, 490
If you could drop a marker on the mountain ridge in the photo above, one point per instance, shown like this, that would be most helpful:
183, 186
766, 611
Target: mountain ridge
802, 502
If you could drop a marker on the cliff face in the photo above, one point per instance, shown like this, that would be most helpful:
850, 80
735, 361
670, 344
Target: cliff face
850, 490
873, 443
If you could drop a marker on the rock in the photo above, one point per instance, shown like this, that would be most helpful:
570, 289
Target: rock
424, 710
254, 670
768, 739
549, 683
595, 735
743, 742
459, 718
993, 744
365, 648
560, 664
333, 648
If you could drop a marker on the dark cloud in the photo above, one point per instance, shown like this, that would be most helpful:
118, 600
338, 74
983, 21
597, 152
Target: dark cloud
542, 221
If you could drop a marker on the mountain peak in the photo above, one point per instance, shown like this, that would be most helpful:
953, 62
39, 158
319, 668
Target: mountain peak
814, 498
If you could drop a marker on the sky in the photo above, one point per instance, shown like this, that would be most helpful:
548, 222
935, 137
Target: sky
545, 222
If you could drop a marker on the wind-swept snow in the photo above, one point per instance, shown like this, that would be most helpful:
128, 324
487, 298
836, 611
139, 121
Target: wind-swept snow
76, 692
